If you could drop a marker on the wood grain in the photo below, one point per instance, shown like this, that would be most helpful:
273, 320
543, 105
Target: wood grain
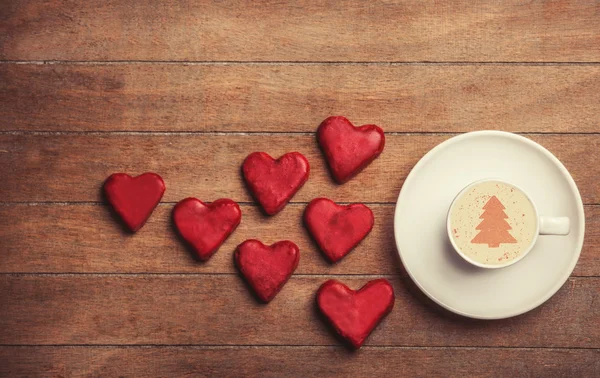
283, 97
412, 30
86, 239
67, 167
188, 89
297, 362
219, 310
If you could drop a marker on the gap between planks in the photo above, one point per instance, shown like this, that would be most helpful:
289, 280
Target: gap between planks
254, 133
169, 203
164, 203
224, 274
295, 63
282, 346
187, 275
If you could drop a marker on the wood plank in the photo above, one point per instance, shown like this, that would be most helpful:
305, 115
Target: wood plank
283, 97
295, 362
412, 30
219, 310
86, 239
72, 167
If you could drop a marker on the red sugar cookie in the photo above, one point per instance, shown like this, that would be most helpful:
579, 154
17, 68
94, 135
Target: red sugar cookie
206, 226
267, 268
349, 149
354, 314
336, 228
134, 198
274, 182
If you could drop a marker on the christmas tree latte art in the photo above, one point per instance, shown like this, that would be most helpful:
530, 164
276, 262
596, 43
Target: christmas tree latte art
493, 222
494, 229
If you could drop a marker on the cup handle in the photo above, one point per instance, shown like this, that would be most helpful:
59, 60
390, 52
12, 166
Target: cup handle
555, 226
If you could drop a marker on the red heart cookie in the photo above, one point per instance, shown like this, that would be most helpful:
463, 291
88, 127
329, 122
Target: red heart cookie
337, 229
134, 198
349, 149
274, 182
354, 314
267, 268
206, 226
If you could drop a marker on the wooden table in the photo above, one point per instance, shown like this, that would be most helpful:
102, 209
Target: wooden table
187, 89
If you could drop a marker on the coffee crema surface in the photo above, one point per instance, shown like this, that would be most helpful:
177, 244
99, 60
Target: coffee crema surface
493, 222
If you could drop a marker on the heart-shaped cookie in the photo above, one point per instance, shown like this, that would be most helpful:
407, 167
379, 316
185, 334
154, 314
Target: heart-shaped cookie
336, 228
274, 182
267, 268
354, 314
206, 226
134, 198
349, 149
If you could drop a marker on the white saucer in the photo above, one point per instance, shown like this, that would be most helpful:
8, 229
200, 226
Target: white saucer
422, 240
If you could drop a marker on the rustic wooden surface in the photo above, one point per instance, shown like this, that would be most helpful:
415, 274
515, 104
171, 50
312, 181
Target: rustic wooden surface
295, 97
187, 89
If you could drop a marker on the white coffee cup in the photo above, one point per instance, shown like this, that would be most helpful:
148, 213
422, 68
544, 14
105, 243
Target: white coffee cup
494, 224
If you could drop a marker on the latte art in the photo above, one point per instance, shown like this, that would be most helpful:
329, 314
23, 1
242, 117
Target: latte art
492, 223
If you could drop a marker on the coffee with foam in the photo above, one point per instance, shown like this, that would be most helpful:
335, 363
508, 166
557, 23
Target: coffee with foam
492, 223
